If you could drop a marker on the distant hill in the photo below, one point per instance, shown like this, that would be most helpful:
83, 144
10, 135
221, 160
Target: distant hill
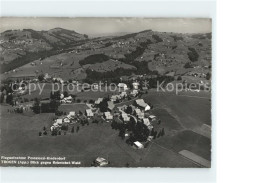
18, 47
69, 53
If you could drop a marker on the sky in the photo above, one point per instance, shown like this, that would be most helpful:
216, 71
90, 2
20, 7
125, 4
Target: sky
109, 26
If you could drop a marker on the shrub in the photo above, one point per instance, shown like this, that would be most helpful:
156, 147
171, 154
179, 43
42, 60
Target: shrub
193, 55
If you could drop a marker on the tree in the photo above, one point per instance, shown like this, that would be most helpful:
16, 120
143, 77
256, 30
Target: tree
163, 133
40, 133
129, 110
36, 106
41, 77
66, 94
9, 98
45, 133
91, 101
208, 76
80, 113
179, 78
193, 55
159, 134
44, 128
188, 65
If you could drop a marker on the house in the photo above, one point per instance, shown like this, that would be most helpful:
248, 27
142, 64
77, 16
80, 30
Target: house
110, 105
134, 93
115, 98
71, 115
56, 124
59, 121
108, 115
139, 113
125, 117
67, 100
135, 85
142, 104
152, 117
147, 123
122, 86
101, 162
124, 107
89, 113
66, 120
123, 94
98, 101
138, 145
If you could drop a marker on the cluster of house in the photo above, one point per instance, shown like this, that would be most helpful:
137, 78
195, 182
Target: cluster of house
71, 118
66, 100
65, 120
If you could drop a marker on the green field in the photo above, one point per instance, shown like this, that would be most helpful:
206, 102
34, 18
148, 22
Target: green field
179, 114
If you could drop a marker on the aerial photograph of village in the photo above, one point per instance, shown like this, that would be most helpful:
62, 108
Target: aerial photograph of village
105, 92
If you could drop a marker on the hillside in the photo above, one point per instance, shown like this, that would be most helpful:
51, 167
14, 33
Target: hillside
68, 54
18, 47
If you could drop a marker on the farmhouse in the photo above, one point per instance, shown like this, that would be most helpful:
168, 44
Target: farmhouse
125, 117
147, 123
115, 98
152, 117
67, 100
139, 113
59, 121
134, 93
101, 162
89, 113
98, 101
122, 86
142, 104
66, 120
123, 94
108, 115
123, 107
71, 115
138, 145
110, 105
135, 85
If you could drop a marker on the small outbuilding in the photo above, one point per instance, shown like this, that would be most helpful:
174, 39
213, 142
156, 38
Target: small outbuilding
138, 145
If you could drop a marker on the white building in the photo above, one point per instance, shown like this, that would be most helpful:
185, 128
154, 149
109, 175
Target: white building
138, 145
122, 86
98, 101
101, 161
135, 85
142, 104
108, 116
89, 113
